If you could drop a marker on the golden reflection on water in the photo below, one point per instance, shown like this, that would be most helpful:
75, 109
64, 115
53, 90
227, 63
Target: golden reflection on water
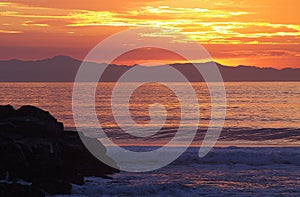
252, 105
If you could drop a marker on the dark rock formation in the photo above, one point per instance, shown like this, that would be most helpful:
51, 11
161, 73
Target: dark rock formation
34, 147
18, 190
29, 121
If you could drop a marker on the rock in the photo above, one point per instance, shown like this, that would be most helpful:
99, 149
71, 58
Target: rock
86, 163
7, 111
2, 173
34, 147
44, 117
18, 190
29, 121
53, 187
12, 158
77, 179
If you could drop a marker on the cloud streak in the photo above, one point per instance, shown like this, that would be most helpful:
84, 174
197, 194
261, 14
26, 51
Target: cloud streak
217, 22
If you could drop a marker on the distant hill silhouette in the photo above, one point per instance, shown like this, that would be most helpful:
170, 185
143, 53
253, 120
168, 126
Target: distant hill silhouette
64, 69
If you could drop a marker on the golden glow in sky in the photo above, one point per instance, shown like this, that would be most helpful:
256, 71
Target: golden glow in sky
250, 32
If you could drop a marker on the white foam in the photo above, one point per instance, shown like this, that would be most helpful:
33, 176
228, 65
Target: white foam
218, 173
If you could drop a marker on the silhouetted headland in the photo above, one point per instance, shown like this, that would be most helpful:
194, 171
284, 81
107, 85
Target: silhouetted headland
64, 69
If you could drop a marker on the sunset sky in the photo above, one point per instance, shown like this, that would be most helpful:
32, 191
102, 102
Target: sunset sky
249, 32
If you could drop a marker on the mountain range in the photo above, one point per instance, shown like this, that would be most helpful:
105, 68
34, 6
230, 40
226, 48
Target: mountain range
64, 69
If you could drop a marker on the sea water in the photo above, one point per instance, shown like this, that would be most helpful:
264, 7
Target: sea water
257, 154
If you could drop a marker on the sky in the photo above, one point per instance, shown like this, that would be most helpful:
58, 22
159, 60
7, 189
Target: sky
235, 32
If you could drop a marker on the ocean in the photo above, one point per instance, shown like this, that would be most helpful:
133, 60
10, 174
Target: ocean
257, 154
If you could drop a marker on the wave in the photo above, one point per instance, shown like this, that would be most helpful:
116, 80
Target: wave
251, 156
230, 171
246, 156
251, 136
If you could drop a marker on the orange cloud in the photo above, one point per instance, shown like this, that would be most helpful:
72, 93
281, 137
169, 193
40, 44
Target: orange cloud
9, 32
231, 25
95, 5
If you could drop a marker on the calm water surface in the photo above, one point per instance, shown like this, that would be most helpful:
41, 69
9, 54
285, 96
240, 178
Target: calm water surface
258, 113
